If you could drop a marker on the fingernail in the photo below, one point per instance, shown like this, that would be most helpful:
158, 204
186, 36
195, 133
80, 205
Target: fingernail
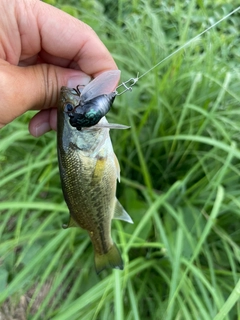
81, 80
41, 129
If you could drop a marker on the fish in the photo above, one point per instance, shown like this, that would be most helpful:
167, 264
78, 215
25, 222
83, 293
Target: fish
89, 169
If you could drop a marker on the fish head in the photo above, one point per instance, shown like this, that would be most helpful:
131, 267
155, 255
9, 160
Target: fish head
88, 140
70, 98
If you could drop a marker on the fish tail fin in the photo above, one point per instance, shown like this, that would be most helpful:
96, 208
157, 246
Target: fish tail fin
111, 259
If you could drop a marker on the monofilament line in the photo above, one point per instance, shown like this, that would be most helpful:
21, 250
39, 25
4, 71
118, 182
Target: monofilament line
190, 41
133, 81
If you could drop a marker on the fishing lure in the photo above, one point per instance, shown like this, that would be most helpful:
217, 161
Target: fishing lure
94, 101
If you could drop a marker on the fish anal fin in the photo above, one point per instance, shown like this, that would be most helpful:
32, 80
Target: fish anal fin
71, 224
111, 259
120, 213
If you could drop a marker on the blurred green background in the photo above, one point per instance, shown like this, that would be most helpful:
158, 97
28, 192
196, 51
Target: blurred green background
180, 176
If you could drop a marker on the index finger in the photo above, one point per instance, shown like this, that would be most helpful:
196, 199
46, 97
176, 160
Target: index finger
71, 41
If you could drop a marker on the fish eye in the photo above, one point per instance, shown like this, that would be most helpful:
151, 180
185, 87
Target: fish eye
68, 107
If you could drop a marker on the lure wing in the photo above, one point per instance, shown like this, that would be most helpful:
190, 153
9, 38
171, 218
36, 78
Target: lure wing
103, 84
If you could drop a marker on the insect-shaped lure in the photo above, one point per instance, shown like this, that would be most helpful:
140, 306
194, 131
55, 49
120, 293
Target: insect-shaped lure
94, 100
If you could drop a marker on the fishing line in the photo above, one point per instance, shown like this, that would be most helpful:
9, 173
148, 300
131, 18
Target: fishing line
127, 85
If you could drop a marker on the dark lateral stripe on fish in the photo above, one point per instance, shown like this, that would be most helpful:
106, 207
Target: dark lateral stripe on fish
105, 247
100, 228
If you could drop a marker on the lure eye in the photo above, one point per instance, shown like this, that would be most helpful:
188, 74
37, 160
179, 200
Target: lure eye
68, 107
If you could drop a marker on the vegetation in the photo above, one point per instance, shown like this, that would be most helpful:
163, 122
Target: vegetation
180, 176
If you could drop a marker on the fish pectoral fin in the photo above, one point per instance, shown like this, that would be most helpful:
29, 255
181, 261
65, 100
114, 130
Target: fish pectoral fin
111, 259
71, 224
120, 213
111, 126
117, 167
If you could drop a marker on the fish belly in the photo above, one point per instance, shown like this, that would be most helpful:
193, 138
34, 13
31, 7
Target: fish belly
89, 186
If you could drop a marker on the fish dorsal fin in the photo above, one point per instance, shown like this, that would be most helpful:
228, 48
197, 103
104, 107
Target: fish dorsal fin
71, 224
120, 213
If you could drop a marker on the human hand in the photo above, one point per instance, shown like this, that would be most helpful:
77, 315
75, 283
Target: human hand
41, 50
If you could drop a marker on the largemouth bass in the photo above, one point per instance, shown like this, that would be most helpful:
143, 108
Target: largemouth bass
89, 171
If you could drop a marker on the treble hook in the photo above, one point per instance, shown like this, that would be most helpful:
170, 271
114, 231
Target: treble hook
127, 88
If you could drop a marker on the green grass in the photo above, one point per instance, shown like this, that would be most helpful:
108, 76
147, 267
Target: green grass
180, 178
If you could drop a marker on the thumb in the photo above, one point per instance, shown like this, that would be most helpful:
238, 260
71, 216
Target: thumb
32, 87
